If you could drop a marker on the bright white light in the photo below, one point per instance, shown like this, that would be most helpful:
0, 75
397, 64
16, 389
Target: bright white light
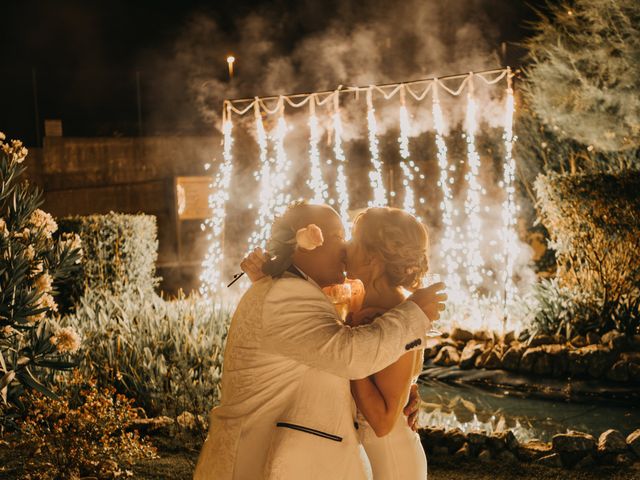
263, 222
509, 236
341, 180
375, 176
409, 197
315, 181
211, 276
449, 245
473, 263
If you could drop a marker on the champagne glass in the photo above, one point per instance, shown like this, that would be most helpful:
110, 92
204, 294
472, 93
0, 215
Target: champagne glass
428, 280
340, 296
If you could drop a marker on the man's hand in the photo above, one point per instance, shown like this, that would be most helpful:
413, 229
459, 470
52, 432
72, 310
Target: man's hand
413, 407
430, 300
252, 264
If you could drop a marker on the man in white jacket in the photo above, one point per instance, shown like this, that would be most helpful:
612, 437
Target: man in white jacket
286, 409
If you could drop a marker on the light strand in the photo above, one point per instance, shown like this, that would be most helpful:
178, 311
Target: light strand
407, 165
263, 175
509, 235
280, 181
341, 179
211, 276
315, 181
449, 245
474, 262
375, 175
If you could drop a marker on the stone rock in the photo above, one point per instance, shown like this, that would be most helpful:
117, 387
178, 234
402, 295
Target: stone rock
559, 357
611, 441
578, 363
541, 339
484, 455
511, 358
593, 338
454, 439
469, 354
552, 460
594, 359
447, 356
496, 443
573, 442
615, 340
633, 442
585, 462
482, 335
431, 437
533, 450
619, 372
463, 452
529, 359
187, 420
434, 345
160, 424
506, 457
579, 341
461, 335
509, 337
440, 451
623, 460
630, 357
492, 361
482, 358
476, 439
634, 371
509, 439
543, 365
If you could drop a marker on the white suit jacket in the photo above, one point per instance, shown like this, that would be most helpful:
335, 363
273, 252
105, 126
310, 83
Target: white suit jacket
286, 409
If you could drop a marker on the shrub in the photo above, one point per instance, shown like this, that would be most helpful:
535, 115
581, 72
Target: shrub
33, 264
84, 434
594, 221
583, 77
165, 355
120, 251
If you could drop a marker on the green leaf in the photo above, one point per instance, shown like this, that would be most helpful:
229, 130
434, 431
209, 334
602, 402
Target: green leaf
26, 378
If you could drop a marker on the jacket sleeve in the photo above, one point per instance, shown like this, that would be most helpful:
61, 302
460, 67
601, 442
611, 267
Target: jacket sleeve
300, 323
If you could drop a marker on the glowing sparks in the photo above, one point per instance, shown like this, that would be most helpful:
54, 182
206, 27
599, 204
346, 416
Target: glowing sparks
211, 276
315, 181
263, 224
341, 180
509, 208
450, 251
406, 164
280, 182
474, 262
375, 176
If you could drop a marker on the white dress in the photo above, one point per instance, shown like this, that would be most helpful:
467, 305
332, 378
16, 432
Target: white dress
396, 456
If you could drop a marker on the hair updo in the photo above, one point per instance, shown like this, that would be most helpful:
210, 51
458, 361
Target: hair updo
399, 240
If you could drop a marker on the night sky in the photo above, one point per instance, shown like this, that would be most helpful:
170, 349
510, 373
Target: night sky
84, 60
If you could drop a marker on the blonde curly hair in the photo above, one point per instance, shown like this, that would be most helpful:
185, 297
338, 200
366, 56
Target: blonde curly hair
399, 240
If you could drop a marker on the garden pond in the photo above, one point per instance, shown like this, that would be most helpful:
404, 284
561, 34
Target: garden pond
469, 408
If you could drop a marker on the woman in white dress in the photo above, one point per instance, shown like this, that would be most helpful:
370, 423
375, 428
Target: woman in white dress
388, 253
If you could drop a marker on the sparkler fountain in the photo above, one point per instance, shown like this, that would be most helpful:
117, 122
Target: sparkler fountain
459, 249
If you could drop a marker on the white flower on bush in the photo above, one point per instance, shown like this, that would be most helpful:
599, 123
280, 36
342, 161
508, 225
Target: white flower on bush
44, 221
3, 227
38, 268
66, 340
44, 283
309, 237
47, 301
2, 137
30, 252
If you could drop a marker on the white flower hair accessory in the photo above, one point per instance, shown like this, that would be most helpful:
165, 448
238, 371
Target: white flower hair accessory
309, 237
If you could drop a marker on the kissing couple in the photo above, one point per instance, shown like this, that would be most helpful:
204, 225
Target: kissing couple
306, 395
